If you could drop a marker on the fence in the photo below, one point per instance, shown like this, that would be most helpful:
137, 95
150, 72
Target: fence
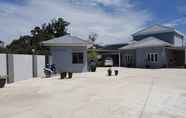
22, 67
3, 64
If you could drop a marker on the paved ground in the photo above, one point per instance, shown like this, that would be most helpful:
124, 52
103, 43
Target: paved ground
135, 93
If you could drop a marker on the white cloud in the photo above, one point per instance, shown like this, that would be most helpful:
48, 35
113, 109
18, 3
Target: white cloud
85, 16
177, 22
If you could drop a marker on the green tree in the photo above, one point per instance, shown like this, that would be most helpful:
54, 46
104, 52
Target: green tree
21, 45
25, 44
92, 54
93, 36
3, 50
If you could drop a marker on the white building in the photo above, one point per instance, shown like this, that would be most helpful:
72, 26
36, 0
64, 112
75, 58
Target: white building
69, 53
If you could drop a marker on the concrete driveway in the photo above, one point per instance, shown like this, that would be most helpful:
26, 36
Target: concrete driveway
135, 93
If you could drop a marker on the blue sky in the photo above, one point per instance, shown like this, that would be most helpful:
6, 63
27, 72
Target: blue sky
113, 20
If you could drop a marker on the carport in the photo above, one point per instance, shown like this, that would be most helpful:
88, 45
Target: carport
175, 57
114, 54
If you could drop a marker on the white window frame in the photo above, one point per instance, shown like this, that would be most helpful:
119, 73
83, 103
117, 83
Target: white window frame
153, 57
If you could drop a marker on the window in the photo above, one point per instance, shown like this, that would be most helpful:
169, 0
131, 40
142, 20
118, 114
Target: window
77, 58
156, 57
148, 57
129, 59
152, 57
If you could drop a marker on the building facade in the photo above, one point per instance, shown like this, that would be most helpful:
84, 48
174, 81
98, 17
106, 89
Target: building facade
69, 53
155, 47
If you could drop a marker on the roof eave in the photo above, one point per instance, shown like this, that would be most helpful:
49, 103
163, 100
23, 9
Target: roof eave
180, 33
152, 33
64, 45
132, 48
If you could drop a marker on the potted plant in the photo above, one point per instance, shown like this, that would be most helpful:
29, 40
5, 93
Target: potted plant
109, 72
63, 75
2, 81
70, 75
116, 72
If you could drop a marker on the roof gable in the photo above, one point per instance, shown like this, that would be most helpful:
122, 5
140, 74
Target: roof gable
155, 29
66, 41
147, 42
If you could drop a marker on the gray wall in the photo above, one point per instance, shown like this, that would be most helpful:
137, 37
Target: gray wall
62, 58
3, 64
178, 41
21, 67
40, 65
10, 68
141, 57
128, 53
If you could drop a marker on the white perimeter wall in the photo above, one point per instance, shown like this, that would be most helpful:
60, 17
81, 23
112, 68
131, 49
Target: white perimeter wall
40, 65
22, 67
3, 69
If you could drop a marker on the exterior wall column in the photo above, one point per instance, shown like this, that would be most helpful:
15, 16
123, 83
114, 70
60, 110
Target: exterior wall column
10, 68
34, 65
119, 54
166, 56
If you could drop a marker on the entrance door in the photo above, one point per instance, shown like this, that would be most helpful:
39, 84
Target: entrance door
129, 60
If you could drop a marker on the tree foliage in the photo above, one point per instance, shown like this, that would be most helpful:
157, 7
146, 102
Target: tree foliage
92, 54
93, 36
25, 44
3, 50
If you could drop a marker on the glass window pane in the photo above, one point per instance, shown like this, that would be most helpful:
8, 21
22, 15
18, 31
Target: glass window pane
77, 58
152, 57
156, 57
148, 57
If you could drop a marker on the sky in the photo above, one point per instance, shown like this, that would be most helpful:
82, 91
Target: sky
113, 20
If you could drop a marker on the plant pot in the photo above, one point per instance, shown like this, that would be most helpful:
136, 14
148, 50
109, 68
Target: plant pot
47, 73
94, 69
116, 72
69, 75
109, 72
63, 75
2, 83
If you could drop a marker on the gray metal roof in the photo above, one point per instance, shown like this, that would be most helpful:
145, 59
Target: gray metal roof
157, 29
147, 42
66, 41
